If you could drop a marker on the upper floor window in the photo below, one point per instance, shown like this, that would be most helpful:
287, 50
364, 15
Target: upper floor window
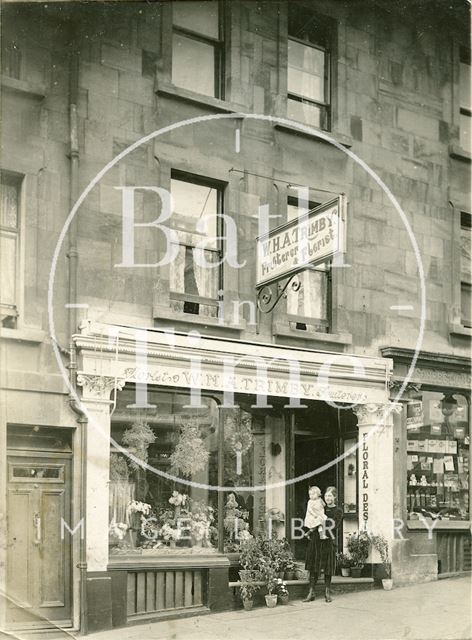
197, 47
466, 271
308, 307
195, 274
465, 98
9, 248
11, 59
308, 81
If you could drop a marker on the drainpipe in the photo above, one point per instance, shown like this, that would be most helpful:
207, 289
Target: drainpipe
72, 317
74, 181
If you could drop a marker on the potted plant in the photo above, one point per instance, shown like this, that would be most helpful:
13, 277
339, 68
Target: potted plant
380, 543
248, 587
358, 545
269, 573
290, 569
344, 563
281, 591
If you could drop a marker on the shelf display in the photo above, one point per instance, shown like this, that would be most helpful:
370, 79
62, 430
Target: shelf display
438, 459
350, 476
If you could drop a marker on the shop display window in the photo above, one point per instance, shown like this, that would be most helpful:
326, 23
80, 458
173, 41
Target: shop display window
151, 509
350, 476
438, 441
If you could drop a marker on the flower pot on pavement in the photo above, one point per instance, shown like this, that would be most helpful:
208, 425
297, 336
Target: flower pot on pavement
356, 572
248, 604
387, 584
345, 572
271, 600
283, 598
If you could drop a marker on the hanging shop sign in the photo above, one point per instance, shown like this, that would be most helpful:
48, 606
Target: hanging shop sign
309, 240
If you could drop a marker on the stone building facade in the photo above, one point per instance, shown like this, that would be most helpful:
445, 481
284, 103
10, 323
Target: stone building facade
262, 108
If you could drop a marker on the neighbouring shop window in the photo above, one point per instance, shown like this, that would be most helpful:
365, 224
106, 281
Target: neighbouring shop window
196, 273
466, 270
465, 98
308, 81
197, 47
438, 441
9, 248
152, 513
310, 303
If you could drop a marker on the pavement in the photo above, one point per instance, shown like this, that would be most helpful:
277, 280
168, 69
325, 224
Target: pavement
439, 610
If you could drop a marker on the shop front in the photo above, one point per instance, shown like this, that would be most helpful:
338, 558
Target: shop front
435, 479
194, 447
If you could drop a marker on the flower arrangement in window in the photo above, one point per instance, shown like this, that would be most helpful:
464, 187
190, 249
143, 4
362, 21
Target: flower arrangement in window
238, 431
118, 530
190, 454
235, 524
137, 440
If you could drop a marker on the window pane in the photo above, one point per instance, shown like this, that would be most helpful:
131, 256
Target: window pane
464, 134
7, 268
304, 112
437, 457
466, 303
188, 275
464, 80
192, 202
466, 235
9, 205
306, 68
311, 299
193, 65
201, 17
148, 512
244, 465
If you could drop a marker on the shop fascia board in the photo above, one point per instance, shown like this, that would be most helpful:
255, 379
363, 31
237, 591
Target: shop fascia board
95, 345
428, 359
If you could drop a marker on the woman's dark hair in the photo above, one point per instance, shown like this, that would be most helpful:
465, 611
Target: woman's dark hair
333, 491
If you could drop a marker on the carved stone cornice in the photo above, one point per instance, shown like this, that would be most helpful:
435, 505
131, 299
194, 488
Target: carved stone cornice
396, 385
376, 414
96, 387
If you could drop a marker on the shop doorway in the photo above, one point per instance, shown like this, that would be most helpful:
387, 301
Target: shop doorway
311, 453
38, 576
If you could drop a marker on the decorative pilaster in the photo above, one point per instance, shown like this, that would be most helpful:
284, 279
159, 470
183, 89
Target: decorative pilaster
96, 387
96, 402
376, 469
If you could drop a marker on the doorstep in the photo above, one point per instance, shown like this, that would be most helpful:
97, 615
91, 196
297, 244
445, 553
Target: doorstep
335, 580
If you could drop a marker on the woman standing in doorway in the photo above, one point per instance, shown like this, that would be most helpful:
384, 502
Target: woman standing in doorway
321, 553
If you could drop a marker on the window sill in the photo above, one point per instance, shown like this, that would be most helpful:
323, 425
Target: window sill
341, 138
443, 525
172, 91
459, 330
281, 329
165, 313
35, 336
458, 153
21, 86
168, 562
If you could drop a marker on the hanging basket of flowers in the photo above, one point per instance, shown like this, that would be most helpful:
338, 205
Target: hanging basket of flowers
137, 440
190, 455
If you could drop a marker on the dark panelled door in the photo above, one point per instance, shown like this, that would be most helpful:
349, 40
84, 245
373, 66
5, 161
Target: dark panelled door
38, 560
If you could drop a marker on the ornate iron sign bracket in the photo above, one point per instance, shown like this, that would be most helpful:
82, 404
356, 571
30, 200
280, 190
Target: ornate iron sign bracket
269, 295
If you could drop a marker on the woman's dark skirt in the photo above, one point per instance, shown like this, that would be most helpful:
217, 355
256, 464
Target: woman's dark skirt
320, 555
